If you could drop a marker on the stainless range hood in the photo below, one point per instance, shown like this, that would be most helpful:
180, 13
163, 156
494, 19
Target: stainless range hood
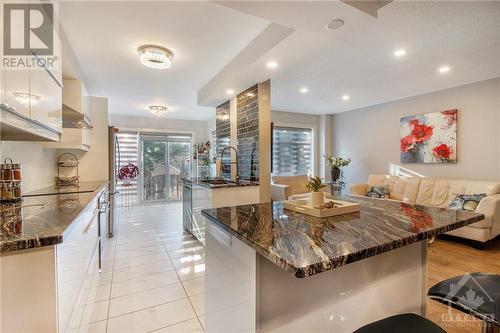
74, 119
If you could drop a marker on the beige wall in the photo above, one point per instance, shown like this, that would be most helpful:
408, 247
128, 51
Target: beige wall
39, 162
370, 136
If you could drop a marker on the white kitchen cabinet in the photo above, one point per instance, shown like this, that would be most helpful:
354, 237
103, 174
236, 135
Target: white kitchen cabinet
76, 262
17, 82
48, 109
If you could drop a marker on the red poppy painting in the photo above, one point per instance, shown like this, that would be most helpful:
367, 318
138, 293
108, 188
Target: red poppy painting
429, 138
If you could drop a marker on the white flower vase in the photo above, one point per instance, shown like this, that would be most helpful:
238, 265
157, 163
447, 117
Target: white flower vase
317, 198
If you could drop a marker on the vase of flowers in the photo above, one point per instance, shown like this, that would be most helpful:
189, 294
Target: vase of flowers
315, 186
127, 173
336, 163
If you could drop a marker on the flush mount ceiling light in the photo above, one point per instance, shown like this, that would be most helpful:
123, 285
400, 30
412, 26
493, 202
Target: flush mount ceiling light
26, 99
345, 97
230, 91
158, 110
304, 90
272, 64
334, 24
444, 69
155, 56
400, 53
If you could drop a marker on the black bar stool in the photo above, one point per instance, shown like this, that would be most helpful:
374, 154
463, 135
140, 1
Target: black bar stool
477, 294
406, 322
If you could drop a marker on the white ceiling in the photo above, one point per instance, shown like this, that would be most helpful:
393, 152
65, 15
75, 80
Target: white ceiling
105, 35
356, 59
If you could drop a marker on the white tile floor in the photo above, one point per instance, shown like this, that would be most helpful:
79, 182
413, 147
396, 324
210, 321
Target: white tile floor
152, 278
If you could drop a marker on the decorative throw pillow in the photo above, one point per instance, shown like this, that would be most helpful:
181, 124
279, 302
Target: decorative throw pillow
379, 192
466, 201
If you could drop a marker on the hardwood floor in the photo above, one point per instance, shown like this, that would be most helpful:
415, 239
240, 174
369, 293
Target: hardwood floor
449, 257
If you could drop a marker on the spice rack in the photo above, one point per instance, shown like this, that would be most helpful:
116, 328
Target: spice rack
70, 162
10, 181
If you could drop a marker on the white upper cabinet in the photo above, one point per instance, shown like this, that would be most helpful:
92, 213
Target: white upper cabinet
17, 91
47, 108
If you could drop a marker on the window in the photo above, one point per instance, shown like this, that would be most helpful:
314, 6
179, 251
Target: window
292, 151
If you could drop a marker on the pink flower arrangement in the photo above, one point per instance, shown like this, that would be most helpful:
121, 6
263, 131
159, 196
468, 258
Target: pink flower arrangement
128, 172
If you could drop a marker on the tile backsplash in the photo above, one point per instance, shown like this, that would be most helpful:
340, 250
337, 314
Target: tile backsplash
223, 134
247, 121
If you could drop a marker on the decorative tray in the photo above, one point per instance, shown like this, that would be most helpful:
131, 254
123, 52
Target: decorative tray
304, 206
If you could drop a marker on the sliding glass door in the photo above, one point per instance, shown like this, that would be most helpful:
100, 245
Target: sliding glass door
165, 160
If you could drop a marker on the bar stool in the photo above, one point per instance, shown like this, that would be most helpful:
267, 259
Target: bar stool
406, 322
477, 294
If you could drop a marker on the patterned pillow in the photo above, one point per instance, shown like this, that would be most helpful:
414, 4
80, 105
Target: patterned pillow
466, 201
379, 192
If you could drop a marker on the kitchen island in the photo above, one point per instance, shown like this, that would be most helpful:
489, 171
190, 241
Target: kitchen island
269, 269
199, 193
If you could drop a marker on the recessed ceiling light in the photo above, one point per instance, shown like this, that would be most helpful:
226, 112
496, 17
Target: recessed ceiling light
158, 110
304, 90
444, 69
345, 97
400, 53
334, 24
154, 56
230, 91
272, 64
250, 94
26, 99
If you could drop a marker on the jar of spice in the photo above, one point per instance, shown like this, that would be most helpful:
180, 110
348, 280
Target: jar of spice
17, 190
8, 172
17, 171
2, 191
9, 191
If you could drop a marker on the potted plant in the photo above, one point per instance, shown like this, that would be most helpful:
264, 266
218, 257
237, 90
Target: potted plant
315, 185
127, 173
336, 163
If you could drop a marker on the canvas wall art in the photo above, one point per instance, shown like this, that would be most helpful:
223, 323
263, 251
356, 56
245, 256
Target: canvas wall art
429, 138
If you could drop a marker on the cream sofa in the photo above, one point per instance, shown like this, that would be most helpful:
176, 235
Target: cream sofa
440, 192
290, 187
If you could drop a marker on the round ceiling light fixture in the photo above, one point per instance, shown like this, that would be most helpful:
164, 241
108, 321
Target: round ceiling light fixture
304, 90
158, 110
154, 56
26, 99
334, 24
345, 97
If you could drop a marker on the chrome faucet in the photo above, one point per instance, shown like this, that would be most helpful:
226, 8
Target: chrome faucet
222, 162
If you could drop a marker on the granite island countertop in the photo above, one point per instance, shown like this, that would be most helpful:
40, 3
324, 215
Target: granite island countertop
41, 220
206, 182
304, 245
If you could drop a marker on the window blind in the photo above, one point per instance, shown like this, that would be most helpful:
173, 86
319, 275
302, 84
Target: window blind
292, 151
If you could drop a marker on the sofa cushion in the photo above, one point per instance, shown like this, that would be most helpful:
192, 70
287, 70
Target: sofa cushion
425, 191
412, 185
440, 192
466, 201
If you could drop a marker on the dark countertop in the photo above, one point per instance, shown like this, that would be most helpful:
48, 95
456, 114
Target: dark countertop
52, 190
306, 245
205, 182
41, 220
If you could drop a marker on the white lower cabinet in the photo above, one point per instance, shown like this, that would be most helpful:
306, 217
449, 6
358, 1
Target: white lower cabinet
77, 260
